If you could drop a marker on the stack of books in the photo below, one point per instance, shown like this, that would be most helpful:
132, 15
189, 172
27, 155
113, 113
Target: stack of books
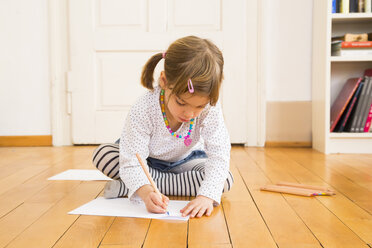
352, 109
353, 48
352, 45
351, 6
361, 48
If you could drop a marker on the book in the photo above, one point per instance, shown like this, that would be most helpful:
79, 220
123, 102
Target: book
355, 48
347, 52
367, 6
342, 100
356, 44
367, 127
365, 106
336, 48
334, 6
352, 118
353, 6
361, 6
368, 72
347, 113
344, 8
357, 113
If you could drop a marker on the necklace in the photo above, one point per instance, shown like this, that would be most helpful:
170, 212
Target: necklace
186, 138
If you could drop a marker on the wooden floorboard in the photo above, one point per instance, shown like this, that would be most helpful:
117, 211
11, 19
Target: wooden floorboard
246, 226
354, 217
33, 210
313, 212
279, 216
319, 165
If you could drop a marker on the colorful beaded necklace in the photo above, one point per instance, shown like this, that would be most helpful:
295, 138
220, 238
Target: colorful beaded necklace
186, 138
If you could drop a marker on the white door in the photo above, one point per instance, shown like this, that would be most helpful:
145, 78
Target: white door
110, 41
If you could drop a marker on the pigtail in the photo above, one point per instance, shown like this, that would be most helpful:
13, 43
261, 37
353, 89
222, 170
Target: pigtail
147, 76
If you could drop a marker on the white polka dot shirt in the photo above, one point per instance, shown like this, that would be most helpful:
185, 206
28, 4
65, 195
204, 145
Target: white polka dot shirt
145, 133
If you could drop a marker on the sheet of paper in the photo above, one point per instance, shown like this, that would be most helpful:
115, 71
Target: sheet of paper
81, 175
122, 207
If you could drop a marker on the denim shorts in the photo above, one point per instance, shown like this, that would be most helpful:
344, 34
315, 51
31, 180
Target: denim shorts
166, 166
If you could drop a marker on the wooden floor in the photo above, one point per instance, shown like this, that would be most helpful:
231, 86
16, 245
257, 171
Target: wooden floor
33, 211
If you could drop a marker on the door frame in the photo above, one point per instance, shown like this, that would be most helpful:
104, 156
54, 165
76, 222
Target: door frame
59, 62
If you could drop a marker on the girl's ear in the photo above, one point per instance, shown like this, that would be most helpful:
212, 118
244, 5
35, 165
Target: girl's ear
163, 80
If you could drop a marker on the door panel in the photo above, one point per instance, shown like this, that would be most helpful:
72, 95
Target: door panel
111, 40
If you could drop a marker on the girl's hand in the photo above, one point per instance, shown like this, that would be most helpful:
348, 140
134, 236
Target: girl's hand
198, 207
153, 201
156, 204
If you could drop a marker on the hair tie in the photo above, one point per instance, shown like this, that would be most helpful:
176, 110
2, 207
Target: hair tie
190, 86
163, 55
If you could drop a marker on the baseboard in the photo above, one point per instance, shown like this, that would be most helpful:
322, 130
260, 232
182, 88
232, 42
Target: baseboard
34, 140
289, 121
287, 144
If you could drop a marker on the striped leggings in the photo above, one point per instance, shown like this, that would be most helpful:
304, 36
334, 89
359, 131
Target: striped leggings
182, 180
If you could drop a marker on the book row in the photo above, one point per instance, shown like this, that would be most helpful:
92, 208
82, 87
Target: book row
352, 109
355, 48
351, 6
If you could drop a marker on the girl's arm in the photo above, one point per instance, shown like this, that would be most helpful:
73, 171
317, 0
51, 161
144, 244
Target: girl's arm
135, 138
217, 147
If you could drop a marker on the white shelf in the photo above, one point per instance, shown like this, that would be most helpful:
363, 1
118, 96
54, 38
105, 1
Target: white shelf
351, 58
351, 17
351, 135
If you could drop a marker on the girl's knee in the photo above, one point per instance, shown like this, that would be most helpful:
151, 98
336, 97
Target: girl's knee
102, 150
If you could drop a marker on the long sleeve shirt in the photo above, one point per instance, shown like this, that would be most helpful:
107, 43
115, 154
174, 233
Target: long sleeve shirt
145, 133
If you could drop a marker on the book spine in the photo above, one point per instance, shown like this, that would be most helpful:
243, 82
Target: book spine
361, 6
357, 111
338, 6
353, 6
350, 108
357, 44
365, 106
342, 100
368, 108
367, 6
368, 72
369, 119
334, 8
345, 6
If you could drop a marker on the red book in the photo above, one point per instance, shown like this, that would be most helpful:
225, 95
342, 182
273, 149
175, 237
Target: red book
368, 72
369, 119
356, 44
339, 105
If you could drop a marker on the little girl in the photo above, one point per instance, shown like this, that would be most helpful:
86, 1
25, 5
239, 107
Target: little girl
178, 128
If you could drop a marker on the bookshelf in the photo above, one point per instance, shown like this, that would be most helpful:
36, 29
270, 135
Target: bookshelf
330, 73
351, 17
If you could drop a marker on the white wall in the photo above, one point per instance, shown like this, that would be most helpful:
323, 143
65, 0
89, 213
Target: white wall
24, 72
287, 46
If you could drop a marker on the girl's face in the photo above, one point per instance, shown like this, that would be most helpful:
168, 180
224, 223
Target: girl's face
184, 107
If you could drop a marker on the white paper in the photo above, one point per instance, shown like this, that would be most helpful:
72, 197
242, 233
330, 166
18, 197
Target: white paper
122, 207
81, 175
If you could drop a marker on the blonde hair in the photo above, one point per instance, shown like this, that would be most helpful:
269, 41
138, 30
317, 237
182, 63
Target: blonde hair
189, 58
